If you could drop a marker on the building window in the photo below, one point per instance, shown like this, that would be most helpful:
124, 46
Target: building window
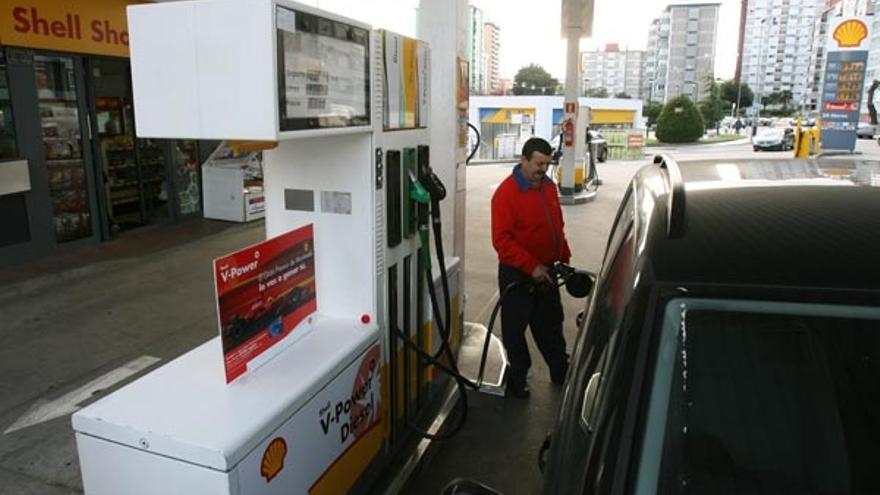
8, 148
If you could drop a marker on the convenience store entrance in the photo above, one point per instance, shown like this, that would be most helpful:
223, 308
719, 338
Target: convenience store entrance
133, 190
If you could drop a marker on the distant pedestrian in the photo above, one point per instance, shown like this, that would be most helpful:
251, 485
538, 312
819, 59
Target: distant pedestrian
738, 126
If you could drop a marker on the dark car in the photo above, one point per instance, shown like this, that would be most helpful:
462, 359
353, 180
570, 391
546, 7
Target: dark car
598, 146
732, 340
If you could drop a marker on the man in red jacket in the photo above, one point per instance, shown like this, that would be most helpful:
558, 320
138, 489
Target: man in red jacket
527, 233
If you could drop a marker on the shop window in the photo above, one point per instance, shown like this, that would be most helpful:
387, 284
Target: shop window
62, 146
8, 148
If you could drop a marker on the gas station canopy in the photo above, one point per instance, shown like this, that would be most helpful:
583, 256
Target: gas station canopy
577, 14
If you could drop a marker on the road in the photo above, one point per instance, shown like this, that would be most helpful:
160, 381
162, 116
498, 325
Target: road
68, 338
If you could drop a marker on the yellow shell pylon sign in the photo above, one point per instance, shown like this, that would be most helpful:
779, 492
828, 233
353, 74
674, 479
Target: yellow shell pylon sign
850, 34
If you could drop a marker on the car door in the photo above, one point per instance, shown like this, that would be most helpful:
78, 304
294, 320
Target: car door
580, 442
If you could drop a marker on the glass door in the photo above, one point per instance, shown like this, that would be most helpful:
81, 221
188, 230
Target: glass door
133, 170
152, 161
187, 176
59, 107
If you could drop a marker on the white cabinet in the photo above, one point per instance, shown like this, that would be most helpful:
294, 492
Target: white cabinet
298, 424
233, 186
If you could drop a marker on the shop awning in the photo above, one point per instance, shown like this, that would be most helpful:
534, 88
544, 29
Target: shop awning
506, 115
601, 116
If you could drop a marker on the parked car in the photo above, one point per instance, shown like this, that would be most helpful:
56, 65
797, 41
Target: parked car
598, 145
731, 343
773, 138
865, 131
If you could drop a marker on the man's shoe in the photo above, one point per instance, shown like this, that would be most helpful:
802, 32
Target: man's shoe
518, 391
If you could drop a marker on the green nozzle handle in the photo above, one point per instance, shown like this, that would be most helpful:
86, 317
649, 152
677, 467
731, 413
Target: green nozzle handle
417, 192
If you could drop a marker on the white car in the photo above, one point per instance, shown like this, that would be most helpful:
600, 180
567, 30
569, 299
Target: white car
865, 131
774, 138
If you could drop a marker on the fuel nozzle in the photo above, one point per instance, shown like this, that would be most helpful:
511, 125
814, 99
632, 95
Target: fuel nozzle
578, 283
417, 191
428, 178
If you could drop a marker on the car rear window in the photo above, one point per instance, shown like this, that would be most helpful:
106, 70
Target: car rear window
764, 397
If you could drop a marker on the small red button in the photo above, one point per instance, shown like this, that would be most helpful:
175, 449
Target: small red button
365, 319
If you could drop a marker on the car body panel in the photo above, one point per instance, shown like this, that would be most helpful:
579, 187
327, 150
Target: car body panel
730, 208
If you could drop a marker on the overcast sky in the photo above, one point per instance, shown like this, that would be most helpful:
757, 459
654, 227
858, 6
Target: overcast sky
530, 28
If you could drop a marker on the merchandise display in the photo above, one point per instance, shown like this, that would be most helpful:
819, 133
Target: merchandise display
134, 170
62, 145
8, 148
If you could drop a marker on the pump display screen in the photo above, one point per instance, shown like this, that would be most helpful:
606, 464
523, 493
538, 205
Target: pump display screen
323, 72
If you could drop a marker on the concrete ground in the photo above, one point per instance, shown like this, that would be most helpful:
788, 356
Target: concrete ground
149, 295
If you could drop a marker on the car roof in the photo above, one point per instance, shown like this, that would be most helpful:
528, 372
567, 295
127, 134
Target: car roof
798, 223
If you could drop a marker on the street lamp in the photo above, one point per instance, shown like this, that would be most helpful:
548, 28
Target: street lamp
762, 76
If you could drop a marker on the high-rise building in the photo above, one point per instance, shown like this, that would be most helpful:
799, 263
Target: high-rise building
491, 51
681, 51
475, 48
776, 48
616, 71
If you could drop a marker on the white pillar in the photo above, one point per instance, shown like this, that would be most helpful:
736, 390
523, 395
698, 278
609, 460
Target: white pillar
443, 24
572, 92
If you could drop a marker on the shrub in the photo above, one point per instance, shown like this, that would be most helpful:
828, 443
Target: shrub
679, 122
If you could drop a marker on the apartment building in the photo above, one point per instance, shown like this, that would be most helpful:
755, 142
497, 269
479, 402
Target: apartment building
475, 48
681, 51
617, 71
491, 58
777, 53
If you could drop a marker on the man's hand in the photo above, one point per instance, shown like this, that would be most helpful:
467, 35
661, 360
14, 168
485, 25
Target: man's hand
541, 274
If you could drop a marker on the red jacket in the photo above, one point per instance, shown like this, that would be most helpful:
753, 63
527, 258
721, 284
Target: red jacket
527, 226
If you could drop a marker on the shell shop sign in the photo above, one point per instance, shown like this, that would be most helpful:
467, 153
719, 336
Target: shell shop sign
96, 27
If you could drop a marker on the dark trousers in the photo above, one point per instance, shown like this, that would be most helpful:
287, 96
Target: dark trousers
539, 307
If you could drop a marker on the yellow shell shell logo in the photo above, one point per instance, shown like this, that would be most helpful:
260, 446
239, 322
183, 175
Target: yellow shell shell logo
273, 459
850, 34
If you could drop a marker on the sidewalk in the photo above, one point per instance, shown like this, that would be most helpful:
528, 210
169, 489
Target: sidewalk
134, 243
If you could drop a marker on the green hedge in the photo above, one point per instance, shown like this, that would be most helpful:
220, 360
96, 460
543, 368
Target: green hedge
679, 122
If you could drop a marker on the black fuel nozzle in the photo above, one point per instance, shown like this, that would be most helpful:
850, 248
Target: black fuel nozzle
578, 283
427, 176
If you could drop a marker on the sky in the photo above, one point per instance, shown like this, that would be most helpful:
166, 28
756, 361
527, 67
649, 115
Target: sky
530, 30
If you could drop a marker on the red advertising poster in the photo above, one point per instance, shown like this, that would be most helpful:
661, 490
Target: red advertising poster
263, 292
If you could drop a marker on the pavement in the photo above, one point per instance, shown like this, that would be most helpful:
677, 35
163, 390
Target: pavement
147, 297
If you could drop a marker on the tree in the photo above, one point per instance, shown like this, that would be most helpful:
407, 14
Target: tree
728, 92
623, 95
597, 92
652, 111
712, 107
779, 103
534, 80
680, 122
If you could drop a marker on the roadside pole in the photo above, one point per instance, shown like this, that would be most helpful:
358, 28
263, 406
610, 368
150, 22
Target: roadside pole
577, 23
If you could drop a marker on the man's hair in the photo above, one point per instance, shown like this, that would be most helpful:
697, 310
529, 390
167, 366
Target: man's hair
536, 144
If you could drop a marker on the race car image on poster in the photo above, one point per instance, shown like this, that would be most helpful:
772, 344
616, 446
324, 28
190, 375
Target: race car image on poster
263, 293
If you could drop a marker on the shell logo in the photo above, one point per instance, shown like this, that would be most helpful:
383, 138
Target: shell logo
273, 459
850, 34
